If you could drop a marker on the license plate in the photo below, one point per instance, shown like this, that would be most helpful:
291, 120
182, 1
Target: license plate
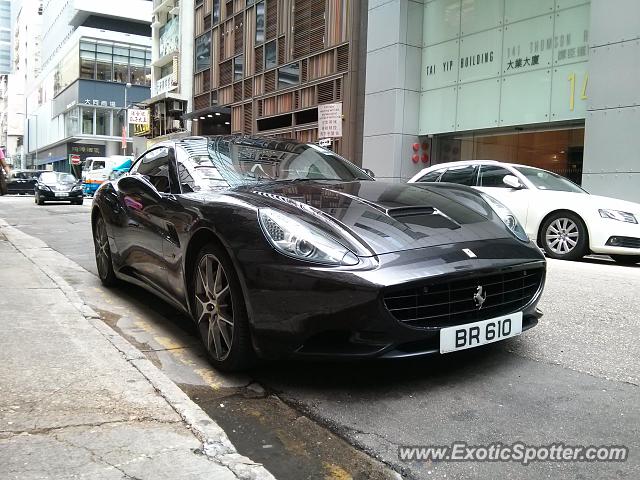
475, 334
62, 194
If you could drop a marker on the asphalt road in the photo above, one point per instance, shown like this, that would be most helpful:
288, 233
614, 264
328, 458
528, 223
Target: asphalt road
574, 379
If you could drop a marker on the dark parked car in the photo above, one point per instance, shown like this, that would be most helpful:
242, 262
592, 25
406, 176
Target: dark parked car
22, 181
278, 248
58, 187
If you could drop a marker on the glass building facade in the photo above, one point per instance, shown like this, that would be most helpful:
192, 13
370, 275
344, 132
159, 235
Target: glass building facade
105, 61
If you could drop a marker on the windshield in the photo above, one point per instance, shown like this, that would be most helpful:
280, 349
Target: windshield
544, 180
96, 165
51, 178
222, 162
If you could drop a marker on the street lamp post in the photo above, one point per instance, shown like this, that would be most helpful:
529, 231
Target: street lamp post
127, 86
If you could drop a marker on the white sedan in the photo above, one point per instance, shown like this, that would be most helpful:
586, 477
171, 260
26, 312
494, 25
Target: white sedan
563, 218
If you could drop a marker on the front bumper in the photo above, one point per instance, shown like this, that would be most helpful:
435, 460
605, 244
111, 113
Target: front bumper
604, 230
340, 312
51, 196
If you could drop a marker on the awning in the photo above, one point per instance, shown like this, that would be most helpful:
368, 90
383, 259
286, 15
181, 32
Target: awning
224, 113
164, 96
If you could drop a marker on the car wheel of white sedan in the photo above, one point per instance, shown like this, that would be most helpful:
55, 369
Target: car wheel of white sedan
564, 236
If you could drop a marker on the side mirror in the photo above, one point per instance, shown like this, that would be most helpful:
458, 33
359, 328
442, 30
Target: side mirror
131, 185
369, 172
513, 182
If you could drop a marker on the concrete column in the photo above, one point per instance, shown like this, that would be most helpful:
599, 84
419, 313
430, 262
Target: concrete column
612, 144
392, 89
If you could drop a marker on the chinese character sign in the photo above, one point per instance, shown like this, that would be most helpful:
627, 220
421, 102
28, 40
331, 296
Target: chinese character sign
330, 120
138, 116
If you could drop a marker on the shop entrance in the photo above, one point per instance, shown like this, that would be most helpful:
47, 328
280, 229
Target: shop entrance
560, 151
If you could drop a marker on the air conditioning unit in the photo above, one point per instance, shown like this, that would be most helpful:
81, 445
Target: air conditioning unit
176, 106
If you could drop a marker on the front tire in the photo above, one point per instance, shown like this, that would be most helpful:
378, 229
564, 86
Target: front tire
626, 259
39, 199
103, 253
564, 236
219, 311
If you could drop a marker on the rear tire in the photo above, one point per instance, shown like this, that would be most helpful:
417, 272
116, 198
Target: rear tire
564, 236
104, 261
219, 310
626, 259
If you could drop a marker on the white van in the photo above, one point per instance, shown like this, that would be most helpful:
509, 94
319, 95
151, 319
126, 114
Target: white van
96, 171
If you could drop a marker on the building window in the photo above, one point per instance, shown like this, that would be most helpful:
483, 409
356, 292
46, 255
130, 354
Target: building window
238, 67
87, 121
289, 75
113, 63
137, 70
104, 61
270, 55
121, 67
203, 52
216, 11
103, 118
71, 122
118, 123
260, 22
87, 60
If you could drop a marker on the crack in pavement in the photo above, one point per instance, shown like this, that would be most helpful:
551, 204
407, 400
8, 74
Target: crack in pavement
47, 430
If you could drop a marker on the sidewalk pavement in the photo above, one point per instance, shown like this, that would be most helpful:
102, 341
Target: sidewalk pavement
79, 401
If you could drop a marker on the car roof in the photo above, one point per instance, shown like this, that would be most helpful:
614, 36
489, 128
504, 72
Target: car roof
468, 162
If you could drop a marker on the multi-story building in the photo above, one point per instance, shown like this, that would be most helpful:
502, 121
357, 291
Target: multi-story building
26, 64
549, 83
5, 66
5, 37
264, 67
96, 63
171, 67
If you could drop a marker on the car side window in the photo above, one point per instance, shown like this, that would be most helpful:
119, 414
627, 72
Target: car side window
432, 176
492, 175
155, 166
462, 175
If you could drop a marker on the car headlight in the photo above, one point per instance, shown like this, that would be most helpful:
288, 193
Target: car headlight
617, 215
507, 217
298, 239
45, 187
76, 188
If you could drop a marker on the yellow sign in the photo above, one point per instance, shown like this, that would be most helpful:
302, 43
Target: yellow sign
140, 130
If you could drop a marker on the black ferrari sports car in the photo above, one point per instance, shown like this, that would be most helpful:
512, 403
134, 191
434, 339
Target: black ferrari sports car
278, 248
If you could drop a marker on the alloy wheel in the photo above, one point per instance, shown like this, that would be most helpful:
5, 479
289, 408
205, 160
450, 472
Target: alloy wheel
562, 236
214, 307
103, 254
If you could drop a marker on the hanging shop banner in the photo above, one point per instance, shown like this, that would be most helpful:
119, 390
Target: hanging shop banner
330, 120
170, 37
490, 63
138, 116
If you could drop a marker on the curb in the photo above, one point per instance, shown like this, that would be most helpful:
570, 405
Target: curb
215, 443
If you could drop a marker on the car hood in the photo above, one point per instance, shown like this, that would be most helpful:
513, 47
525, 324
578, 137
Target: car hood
385, 217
